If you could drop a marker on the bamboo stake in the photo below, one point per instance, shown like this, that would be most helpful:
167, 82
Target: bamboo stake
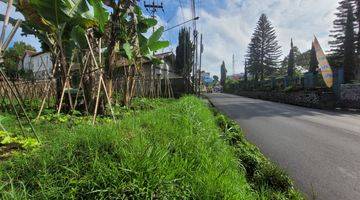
16, 112
6, 22
2, 127
99, 85
48, 90
64, 88
44, 101
100, 81
11, 35
81, 83
20, 103
108, 98
97, 102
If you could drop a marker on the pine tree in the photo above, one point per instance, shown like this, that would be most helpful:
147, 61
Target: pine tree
223, 74
263, 51
252, 60
357, 59
349, 46
313, 64
358, 25
246, 71
291, 62
184, 54
338, 32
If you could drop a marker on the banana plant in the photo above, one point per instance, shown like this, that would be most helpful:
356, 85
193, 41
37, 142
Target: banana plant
63, 24
148, 46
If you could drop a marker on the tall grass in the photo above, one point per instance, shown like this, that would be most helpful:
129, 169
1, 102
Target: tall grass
270, 181
172, 151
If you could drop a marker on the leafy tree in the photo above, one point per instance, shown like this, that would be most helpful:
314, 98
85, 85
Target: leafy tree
291, 61
223, 74
184, 54
313, 63
216, 79
349, 46
263, 51
13, 56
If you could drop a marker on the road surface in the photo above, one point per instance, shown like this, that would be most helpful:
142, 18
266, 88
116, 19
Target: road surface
319, 149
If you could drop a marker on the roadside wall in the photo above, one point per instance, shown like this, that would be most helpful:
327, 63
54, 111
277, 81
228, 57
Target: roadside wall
310, 98
350, 96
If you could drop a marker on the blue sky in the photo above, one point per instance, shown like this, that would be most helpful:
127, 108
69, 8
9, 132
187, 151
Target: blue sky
227, 25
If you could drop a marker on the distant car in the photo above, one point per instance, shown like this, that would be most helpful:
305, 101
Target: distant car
217, 89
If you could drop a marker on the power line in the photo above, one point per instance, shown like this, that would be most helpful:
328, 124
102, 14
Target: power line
196, 18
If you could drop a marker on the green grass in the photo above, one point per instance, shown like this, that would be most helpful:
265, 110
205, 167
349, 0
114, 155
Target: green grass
265, 177
160, 149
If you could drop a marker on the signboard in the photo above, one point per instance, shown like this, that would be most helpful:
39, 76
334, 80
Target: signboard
325, 68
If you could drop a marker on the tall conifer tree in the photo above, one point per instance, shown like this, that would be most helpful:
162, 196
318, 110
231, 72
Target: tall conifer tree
338, 32
291, 62
263, 51
358, 25
349, 46
223, 74
313, 64
184, 54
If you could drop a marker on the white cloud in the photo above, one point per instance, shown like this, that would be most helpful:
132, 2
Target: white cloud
227, 30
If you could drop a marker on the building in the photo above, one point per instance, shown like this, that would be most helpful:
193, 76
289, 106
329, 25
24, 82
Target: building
205, 75
237, 76
166, 69
39, 64
206, 78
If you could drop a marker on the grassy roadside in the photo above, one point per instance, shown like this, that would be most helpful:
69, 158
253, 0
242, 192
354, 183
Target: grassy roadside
265, 177
160, 149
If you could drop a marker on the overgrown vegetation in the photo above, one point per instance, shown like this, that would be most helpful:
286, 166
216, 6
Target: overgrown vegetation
264, 176
162, 149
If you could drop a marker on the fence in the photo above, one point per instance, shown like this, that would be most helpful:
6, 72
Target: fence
30, 92
307, 81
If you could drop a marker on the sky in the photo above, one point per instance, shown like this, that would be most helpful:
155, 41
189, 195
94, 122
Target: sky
227, 26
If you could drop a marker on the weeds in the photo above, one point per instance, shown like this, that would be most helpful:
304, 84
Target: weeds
265, 177
162, 149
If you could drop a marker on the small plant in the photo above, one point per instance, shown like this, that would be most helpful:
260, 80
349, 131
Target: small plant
289, 89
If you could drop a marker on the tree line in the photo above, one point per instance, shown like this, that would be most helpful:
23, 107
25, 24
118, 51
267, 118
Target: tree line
264, 52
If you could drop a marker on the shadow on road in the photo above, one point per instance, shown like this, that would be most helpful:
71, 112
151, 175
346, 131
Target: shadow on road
259, 108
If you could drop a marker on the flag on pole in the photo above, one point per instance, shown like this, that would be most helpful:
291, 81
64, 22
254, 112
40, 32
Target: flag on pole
324, 65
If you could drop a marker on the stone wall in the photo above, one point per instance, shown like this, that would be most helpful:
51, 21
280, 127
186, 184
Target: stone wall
310, 98
350, 96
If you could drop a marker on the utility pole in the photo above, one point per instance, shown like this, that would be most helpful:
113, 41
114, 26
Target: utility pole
153, 8
201, 52
233, 65
195, 40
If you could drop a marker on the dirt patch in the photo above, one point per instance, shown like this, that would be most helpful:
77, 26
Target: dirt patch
6, 150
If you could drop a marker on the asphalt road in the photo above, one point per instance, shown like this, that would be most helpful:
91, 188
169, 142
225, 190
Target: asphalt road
319, 149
